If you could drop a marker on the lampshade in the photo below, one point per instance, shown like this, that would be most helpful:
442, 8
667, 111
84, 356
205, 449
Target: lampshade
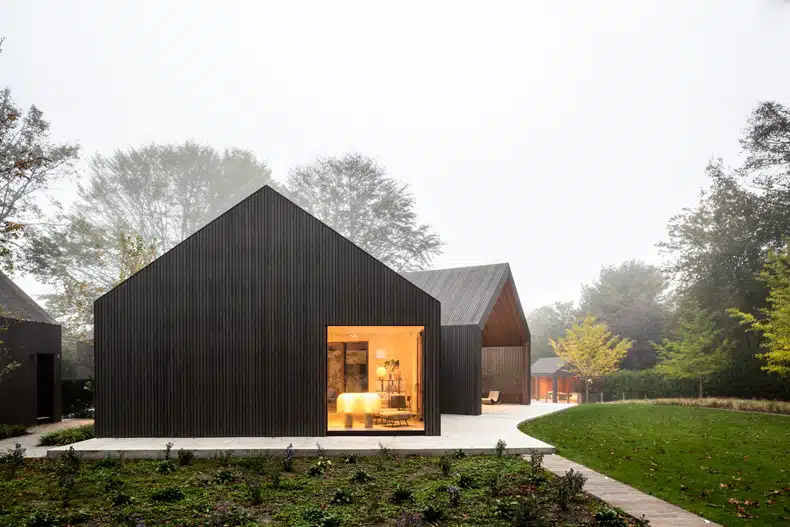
381, 371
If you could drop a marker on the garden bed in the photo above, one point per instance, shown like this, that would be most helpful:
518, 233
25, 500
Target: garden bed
7, 431
67, 436
382, 490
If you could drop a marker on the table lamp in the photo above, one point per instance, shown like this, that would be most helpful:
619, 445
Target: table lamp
381, 372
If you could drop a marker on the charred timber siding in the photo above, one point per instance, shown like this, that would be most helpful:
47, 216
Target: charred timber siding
461, 379
225, 335
19, 391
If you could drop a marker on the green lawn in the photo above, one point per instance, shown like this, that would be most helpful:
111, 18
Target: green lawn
726, 466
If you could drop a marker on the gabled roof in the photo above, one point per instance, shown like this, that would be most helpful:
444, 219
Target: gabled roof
467, 294
16, 304
547, 366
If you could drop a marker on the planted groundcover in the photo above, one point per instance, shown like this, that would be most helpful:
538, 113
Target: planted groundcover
382, 490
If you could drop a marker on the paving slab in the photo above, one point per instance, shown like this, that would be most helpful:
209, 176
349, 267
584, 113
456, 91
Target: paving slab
474, 434
30, 441
633, 501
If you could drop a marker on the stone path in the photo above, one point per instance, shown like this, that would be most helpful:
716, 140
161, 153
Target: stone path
634, 502
30, 441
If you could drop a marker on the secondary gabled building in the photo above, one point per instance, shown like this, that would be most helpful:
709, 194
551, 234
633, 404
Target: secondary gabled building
266, 322
30, 337
485, 337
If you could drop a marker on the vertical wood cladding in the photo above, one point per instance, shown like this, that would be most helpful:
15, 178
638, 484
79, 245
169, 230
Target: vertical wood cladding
25, 340
504, 370
461, 379
225, 335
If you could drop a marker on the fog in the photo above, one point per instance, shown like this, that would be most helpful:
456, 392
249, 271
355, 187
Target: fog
558, 136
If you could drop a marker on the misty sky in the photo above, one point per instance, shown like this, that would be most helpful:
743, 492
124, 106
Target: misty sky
558, 136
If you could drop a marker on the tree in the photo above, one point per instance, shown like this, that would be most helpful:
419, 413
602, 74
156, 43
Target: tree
136, 204
29, 165
630, 300
353, 195
72, 304
6, 364
549, 322
591, 350
774, 320
696, 349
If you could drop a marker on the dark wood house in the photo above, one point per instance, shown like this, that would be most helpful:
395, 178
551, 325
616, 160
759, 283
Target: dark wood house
30, 337
485, 337
266, 322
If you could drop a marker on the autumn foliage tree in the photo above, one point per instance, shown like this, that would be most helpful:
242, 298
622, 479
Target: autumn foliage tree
773, 322
591, 350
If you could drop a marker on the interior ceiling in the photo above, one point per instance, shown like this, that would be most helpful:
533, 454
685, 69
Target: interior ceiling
504, 326
334, 332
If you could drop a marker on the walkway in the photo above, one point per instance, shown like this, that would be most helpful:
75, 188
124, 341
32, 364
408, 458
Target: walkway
474, 434
634, 502
30, 441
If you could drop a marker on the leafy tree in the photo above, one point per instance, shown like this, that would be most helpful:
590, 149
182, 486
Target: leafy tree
695, 349
77, 289
29, 165
6, 364
630, 299
774, 321
353, 195
591, 350
549, 322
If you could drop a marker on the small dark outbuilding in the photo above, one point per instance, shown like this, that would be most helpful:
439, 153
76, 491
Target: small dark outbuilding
552, 380
30, 337
485, 337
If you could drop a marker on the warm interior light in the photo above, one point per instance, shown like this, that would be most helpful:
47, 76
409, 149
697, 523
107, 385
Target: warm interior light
381, 371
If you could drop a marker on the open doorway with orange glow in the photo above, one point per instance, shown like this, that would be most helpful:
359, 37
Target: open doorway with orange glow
375, 379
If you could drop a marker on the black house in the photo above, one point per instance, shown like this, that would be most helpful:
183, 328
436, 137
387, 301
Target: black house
266, 322
31, 338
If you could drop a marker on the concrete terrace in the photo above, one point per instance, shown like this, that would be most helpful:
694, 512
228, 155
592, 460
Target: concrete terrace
474, 434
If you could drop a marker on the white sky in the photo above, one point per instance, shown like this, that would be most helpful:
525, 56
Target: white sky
558, 136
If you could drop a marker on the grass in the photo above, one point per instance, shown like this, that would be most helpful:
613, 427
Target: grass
730, 467
372, 491
67, 436
7, 431
723, 403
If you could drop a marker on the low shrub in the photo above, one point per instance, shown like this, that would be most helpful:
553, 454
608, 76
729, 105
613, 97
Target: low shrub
409, 519
275, 478
66, 470
319, 467
67, 436
527, 514
226, 516
342, 497
401, 494
254, 493
165, 467
445, 465
459, 454
504, 508
384, 452
465, 481
351, 459
455, 495
568, 487
496, 485
12, 460
609, 518
185, 457
7, 431
108, 463
167, 495
500, 448
318, 517
360, 476
535, 461
288, 459
432, 514
223, 476
43, 518
120, 499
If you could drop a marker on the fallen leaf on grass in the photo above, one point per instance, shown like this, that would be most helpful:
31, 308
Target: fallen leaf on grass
745, 458
770, 502
724, 486
751, 503
732, 500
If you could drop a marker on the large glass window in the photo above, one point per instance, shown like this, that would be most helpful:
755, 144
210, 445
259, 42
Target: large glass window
374, 378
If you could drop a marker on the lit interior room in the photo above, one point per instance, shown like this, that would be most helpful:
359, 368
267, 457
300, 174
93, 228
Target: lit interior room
374, 379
